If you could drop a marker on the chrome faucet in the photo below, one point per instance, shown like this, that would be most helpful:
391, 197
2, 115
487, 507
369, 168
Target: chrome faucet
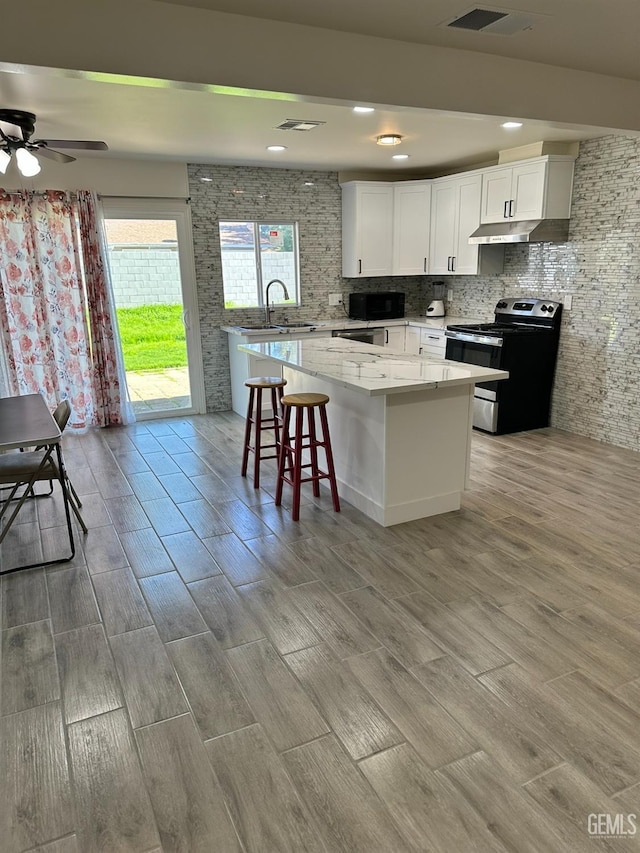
267, 307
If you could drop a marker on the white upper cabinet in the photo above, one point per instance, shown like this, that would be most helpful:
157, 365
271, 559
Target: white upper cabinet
411, 213
535, 189
367, 229
455, 215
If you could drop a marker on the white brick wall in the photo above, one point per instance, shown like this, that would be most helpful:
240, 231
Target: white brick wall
142, 275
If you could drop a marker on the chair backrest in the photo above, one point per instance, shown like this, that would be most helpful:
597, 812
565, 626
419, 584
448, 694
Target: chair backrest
62, 414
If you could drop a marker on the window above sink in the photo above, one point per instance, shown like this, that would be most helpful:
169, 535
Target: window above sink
254, 252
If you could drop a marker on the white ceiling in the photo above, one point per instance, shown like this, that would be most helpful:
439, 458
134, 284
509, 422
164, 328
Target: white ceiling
590, 35
144, 118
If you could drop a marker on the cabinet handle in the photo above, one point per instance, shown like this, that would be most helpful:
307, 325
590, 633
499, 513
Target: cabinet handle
359, 266
386, 336
449, 263
505, 212
420, 351
425, 265
433, 338
453, 263
511, 208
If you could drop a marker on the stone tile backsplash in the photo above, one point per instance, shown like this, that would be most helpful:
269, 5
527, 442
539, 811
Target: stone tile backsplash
597, 389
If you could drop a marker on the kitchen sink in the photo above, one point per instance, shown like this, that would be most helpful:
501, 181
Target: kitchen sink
257, 327
295, 325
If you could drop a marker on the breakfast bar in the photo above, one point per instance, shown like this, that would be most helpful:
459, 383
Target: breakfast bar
400, 424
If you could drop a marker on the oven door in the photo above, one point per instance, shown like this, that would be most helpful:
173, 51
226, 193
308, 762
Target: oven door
482, 350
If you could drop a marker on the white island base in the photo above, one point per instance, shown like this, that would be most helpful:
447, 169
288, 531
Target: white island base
400, 424
398, 457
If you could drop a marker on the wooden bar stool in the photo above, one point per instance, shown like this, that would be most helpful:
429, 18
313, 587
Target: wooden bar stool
256, 385
291, 449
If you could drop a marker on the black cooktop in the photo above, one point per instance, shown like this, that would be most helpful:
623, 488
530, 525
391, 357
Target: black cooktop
499, 329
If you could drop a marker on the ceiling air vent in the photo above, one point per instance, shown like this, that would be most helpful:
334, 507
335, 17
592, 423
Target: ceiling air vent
298, 124
477, 19
501, 22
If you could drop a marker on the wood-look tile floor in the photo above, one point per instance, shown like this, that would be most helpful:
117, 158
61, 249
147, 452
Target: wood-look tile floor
207, 675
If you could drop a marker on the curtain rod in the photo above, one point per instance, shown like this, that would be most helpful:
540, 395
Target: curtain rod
186, 199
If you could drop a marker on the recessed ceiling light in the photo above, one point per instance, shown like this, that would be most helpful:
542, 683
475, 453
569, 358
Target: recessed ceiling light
309, 183
389, 139
364, 110
276, 147
400, 157
237, 192
208, 180
511, 125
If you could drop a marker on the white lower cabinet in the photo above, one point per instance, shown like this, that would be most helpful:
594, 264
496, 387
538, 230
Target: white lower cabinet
394, 337
412, 340
243, 365
433, 342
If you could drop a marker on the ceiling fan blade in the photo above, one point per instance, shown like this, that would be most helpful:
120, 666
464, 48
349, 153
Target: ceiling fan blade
79, 144
58, 156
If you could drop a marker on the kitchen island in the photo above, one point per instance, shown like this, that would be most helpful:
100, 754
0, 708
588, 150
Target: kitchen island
400, 424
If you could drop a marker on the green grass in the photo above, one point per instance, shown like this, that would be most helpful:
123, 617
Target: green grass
152, 337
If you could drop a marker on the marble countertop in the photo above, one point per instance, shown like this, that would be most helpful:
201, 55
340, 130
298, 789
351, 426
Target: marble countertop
332, 325
369, 369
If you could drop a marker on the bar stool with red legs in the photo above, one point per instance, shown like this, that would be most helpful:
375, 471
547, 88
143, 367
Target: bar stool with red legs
290, 464
256, 385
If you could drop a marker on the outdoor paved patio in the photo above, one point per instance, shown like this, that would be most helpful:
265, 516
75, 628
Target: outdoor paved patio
159, 390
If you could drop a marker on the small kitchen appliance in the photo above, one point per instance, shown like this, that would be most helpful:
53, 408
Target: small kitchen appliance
383, 305
523, 339
436, 306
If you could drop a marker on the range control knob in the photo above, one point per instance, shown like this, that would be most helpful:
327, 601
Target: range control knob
543, 308
550, 309
502, 304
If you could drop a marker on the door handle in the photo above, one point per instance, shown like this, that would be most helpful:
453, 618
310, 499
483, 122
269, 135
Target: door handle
511, 208
505, 212
185, 320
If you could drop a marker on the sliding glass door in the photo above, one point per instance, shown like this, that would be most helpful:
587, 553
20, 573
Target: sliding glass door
152, 273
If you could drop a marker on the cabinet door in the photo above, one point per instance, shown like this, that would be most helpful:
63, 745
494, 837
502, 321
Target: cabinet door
528, 191
394, 337
468, 197
411, 210
412, 340
367, 229
443, 225
496, 193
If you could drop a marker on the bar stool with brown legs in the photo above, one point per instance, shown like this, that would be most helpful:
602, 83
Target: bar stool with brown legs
290, 465
256, 385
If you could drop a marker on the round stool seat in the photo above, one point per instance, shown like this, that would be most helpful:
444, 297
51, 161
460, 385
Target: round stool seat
305, 401
265, 382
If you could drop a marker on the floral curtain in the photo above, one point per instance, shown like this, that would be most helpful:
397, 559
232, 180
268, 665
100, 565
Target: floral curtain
43, 309
57, 322
107, 372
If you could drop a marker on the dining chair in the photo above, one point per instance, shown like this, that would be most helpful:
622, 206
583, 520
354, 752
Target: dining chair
25, 469
61, 417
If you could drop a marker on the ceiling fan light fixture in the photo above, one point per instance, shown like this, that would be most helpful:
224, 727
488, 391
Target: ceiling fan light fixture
27, 163
389, 139
5, 159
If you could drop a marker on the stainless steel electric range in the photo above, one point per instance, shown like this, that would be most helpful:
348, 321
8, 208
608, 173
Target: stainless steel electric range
523, 340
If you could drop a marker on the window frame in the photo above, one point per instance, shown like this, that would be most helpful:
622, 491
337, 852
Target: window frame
261, 284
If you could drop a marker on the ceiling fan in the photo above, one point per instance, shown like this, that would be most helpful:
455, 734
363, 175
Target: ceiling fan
17, 140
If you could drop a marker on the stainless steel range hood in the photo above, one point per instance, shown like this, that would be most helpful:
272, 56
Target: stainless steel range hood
527, 231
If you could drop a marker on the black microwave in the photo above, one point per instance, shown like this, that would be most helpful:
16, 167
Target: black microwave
386, 305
